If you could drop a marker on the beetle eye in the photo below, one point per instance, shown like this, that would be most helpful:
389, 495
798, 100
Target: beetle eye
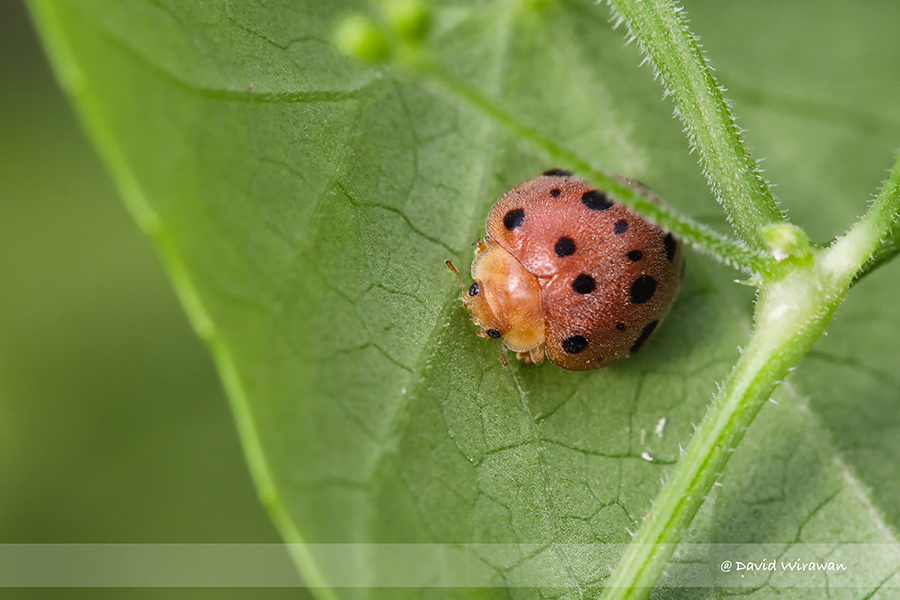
473, 289
493, 333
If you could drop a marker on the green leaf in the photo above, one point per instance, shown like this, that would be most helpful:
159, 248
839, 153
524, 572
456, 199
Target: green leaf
304, 205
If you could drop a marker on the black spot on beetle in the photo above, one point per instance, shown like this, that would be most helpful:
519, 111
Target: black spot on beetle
584, 284
646, 332
473, 289
557, 173
635, 255
620, 326
596, 200
564, 247
574, 344
671, 245
493, 333
513, 218
555, 193
620, 227
642, 289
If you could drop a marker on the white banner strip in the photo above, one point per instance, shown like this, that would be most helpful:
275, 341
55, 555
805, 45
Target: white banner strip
869, 566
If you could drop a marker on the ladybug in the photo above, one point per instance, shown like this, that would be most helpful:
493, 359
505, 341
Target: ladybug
566, 270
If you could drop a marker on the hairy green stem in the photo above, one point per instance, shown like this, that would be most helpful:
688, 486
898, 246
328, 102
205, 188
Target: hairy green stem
888, 249
662, 34
879, 222
791, 314
775, 347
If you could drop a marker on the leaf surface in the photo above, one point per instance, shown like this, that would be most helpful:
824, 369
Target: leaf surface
305, 204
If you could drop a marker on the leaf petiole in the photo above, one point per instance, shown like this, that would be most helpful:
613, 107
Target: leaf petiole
703, 238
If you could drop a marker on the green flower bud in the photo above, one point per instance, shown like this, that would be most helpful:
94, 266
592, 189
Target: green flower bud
359, 37
787, 240
408, 17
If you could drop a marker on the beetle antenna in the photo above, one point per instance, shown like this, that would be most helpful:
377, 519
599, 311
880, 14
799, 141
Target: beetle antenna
462, 286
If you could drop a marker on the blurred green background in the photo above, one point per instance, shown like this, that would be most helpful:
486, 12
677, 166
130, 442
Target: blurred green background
113, 424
